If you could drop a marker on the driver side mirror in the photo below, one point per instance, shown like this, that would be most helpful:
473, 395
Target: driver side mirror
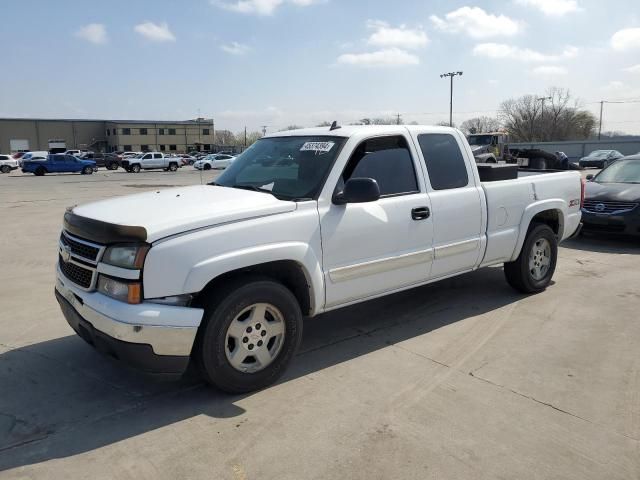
358, 190
590, 177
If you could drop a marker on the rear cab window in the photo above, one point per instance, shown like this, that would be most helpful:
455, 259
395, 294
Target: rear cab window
443, 158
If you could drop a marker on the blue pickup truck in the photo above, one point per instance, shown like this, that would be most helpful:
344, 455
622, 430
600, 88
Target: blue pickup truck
59, 163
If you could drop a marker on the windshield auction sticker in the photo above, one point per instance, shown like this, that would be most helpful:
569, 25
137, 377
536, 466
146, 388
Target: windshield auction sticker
317, 146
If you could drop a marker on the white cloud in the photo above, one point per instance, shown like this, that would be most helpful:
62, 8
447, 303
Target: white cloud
156, 32
626, 39
552, 8
259, 7
402, 37
476, 23
501, 50
235, 48
550, 71
633, 69
388, 57
94, 33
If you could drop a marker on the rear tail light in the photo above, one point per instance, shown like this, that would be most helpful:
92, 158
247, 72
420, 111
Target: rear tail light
582, 187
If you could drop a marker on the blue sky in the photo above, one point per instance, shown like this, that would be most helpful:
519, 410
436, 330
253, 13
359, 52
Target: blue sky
281, 62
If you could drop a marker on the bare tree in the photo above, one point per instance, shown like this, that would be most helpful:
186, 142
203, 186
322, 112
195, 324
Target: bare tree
324, 124
480, 125
552, 117
379, 121
225, 137
291, 127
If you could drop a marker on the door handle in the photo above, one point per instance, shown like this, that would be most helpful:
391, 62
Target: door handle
420, 213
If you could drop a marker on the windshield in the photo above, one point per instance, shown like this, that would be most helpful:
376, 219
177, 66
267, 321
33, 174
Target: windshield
599, 154
480, 139
288, 167
622, 171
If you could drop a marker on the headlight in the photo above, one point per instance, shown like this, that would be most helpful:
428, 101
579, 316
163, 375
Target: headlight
126, 256
129, 292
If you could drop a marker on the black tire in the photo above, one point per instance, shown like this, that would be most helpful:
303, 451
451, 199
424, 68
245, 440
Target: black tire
221, 310
538, 163
5, 169
87, 171
113, 166
40, 171
191, 162
206, 166
135, 168
173, 167
519, 275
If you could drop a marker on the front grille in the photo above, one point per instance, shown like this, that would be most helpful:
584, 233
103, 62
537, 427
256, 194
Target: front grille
595, 206
79, 275
81, 249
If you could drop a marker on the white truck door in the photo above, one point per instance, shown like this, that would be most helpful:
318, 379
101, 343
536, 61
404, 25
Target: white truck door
457, 206
159, 161
375, 247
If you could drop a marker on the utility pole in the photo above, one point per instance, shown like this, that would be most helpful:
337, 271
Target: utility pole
264, 130
543, 99
199, 132
451, 75
600, 124
398, 119
245, 136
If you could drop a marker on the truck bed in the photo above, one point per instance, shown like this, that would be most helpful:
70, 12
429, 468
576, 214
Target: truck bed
509, 201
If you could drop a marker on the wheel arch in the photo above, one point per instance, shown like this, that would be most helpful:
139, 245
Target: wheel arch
290, 273
548, 212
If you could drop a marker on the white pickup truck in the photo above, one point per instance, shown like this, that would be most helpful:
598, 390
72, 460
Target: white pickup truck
150, 161
303, 222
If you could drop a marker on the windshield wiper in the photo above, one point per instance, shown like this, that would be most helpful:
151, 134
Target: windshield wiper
246, 186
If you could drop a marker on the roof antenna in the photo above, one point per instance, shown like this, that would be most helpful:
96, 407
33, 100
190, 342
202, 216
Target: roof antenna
334, 126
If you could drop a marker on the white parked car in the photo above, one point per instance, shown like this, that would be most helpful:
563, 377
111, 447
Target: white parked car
150, 161
75, 153
303, 222
214, 160
7, 163
130, 154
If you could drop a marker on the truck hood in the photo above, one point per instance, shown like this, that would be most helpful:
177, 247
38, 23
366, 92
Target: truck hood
477, 148
158, 214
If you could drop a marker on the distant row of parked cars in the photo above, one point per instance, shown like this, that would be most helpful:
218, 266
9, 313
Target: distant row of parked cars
85, 162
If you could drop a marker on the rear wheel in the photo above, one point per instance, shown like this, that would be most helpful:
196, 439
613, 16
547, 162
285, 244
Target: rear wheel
249, 336
532, 271
5, 169
173, 167
135, 168
40, 171
87, 171
206, 166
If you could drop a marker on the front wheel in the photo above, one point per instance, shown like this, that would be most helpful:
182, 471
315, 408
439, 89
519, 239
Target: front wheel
249, 335
40, 171
135, 168
206, 166
87, 171
173, 167
5, 169
532, 271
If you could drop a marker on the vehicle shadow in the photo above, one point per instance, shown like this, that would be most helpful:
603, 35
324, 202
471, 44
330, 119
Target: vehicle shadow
602, 243
61, 398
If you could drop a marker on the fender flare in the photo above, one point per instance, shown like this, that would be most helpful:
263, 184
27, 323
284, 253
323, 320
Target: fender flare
207, 270
531, 211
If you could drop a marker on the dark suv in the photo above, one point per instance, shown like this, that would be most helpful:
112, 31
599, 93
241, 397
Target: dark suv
110, 161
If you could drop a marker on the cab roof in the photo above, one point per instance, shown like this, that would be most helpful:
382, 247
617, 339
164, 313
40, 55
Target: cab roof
346, 131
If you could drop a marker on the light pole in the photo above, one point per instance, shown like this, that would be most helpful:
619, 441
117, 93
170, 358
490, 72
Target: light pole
451, 75
543, 99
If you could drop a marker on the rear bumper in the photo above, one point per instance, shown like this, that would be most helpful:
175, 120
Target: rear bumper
150, 337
